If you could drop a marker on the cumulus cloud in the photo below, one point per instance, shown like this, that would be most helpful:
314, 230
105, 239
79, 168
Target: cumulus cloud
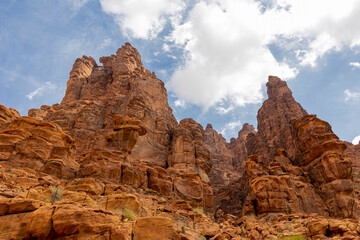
225, 44
39, 91
223, 111
231, 128
351, 95
107, 42
143, 18
356, 140
355, 64
180, 103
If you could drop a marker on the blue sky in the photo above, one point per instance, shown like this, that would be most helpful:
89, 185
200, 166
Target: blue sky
214, 56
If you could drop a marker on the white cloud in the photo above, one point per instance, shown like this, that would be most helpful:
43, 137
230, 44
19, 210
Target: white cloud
225, 43
223, 111
143, 18
180, 103
355, 64
356, 140
351, 95
231, 128
322, 44
77, 4
107, 42
166, 47
226, 57
39, 91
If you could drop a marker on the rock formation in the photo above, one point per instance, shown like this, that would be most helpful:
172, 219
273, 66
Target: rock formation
121, 86
222, 172
275, 118
111, 162
42, 146
321, 154
298, 164
7, 115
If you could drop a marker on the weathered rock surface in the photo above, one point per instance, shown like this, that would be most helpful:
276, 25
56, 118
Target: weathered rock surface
275, 118
121, 86
298, 164
39, 145
222, 172
321, 154
111, 162
238, 147
279, 187
150, 228
7, 115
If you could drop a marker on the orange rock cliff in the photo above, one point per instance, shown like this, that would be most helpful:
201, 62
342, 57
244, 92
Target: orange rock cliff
111, 162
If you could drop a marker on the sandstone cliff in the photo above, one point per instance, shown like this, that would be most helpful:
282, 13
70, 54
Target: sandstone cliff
111, 162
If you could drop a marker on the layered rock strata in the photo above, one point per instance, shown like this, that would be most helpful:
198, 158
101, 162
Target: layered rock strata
111, 162
298, 164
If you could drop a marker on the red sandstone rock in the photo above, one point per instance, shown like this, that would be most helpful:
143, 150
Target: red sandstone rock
39, 145
134, 160
188, 151
150, 228
275, 118
7, 115
122, 86
322, 154
221, 157
238, 147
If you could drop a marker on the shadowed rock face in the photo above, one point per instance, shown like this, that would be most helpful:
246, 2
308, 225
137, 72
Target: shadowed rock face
222, 171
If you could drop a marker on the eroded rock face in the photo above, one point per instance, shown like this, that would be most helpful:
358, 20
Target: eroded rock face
155, 228
7, 115
221, 157
187, 149
190, 165
279, 187
321, 154
275, 118
121, 86
111, 162
297, 164
238, 147
31, 143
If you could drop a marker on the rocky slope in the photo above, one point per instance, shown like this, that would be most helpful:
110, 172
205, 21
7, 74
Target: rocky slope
111, 162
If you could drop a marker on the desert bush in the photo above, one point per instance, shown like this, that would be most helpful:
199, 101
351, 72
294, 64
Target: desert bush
128, 214
295, 237
198, 211
56, 194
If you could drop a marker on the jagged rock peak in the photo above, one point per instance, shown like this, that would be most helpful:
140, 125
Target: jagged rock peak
276, 87
274, 121
127, 60
245, 131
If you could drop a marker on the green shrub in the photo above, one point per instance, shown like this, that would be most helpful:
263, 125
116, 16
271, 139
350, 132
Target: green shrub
295, 237
202, 237
198, 211
128, 214
56, 194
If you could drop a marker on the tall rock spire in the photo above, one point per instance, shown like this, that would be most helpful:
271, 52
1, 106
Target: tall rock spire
275, 118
